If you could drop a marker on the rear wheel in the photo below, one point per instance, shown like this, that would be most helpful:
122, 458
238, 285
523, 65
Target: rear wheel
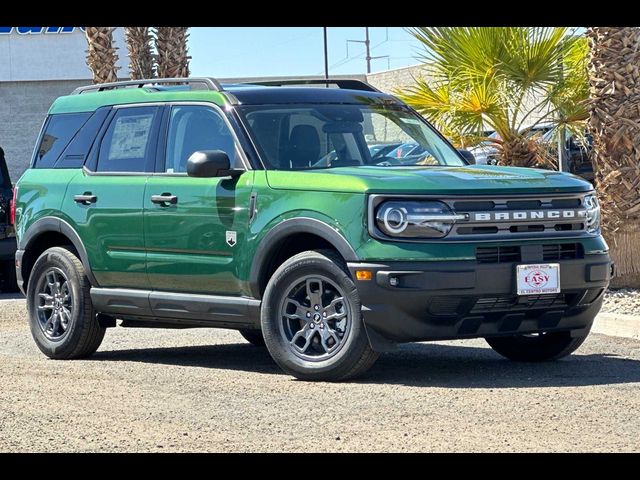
538, 347
61, 316
254, 337
311, 319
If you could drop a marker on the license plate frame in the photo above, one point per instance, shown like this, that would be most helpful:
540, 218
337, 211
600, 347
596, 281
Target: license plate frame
537, 279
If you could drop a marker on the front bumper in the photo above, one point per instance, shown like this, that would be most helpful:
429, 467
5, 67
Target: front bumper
466, 299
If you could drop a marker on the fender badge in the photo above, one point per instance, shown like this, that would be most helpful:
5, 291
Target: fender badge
231, 238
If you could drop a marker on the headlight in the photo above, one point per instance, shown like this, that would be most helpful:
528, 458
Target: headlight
590, 202
415, 219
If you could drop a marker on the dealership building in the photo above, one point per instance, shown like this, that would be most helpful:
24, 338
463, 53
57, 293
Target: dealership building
37, 65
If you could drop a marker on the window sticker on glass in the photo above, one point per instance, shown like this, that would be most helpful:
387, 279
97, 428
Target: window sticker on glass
130, 136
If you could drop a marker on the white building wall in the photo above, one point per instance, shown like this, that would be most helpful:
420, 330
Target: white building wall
50, 56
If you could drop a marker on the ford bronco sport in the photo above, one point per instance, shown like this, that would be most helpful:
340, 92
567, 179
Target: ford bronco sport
187, 203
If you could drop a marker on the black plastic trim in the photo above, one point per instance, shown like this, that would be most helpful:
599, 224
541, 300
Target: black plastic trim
271, 241
54, 224
184, 308
397, 302
18, 261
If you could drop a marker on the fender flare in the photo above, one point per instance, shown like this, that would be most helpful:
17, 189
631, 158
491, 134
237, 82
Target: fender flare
292, 226
54, 224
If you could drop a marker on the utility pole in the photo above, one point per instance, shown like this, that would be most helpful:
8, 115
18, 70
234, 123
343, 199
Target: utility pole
367, 46
326, 57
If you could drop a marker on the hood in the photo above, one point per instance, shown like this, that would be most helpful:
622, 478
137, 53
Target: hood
469, 180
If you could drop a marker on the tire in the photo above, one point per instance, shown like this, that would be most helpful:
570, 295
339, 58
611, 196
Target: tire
59, 270
541, 348
254, 337
336, 347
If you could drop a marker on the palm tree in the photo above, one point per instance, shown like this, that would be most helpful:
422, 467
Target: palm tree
101, 54
140, 56
172, 57
503, 79
614, 68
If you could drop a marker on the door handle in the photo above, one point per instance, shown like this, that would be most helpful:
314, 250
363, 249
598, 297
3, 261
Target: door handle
164, 200
87, 198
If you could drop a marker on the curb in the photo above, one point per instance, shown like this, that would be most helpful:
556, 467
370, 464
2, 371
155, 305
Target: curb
617, 325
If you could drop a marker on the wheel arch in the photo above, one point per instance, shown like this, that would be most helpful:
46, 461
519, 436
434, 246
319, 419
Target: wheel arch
278, 236
35, 241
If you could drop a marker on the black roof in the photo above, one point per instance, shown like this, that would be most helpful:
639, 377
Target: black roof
248, 94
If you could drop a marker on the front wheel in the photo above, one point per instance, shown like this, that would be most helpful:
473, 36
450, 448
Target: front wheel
311, 319
61, 316
538, 347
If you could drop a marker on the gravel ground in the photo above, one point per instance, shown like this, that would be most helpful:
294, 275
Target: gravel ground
624, 300
208, 390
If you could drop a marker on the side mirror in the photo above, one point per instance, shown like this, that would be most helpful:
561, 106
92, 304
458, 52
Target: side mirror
209, 164
468, 156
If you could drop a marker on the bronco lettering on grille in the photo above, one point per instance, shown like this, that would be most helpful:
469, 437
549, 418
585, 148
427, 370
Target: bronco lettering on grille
528, 215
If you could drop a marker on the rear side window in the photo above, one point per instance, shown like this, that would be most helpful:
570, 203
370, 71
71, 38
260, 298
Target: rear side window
129, 141
59, 131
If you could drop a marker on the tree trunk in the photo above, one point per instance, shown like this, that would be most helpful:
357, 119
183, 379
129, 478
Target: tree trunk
625, 252
614, 71
521, 151
172, 57
140, 57
101, 54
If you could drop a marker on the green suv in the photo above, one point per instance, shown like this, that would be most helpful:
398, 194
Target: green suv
186, 203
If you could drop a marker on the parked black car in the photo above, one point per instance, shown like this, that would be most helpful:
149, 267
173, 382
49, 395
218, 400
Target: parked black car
578, 151
7, 234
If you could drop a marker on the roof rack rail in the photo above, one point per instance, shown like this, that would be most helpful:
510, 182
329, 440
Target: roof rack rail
347, 83
209, 83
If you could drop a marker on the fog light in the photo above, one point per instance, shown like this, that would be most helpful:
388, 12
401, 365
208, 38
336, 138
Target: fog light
394, 281
364, 275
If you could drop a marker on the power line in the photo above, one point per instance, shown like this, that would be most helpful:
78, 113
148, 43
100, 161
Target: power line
347, 59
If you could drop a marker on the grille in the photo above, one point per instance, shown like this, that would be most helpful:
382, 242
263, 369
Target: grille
550, 252
444, 306
510, 303
497, 254
562, 251
524, 217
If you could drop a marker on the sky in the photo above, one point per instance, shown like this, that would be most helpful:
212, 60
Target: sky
273, 51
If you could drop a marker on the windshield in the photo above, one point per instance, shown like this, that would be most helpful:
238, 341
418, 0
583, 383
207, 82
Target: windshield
306, 137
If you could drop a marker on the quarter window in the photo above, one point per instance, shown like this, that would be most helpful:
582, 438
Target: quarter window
195, 128
58, 133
